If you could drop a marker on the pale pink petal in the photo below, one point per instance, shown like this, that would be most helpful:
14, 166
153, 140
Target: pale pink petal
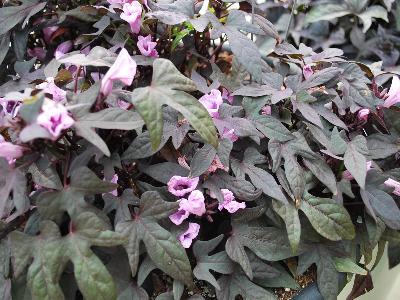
394, 184
178, 217
54, 118
114, 179
123, 69
212, 102
307, 71
133, 15
347, 175
63, 48
189, 235
266, 110
227, 96
234, 206
229, 202
394, 93
216, 164
180, 186
38, 52
363, 114
10, 151
146, 46
194, 204
230, 134
50, 87
48, 32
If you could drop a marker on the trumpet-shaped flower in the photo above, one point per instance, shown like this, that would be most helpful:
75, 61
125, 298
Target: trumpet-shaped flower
123, 69
146, 46
307, 71
229, 203
54, 118
63, 48
212, 102
393, 96
50, 87
180, 186
10, 151
189, 235
193, 205
394, 184
363, 114
133, 15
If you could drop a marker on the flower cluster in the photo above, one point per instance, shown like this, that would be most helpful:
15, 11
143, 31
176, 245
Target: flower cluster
195, 204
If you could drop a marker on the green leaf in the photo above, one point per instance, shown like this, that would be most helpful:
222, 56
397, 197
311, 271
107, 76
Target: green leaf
295, 176
290, 216
202, 160
53, 204
47, 177
14, 184
237, 253
239, 284
355, 161
218, 262
10, 16
4, 46
242, 189
322, 171
110, 118
169, 87
374, 11
243, 48
346, 265
259, 177
327, 276
162, 247
326, 12
50, 253
328, 218
268, 243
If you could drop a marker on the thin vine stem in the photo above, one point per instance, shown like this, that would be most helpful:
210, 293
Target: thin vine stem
290, 20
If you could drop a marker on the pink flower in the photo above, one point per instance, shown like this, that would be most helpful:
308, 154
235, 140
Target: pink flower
193, 205
227, 96
212, 102
307, 71
10, 151
230, 134
229, 203
347, 175
38, 52
133, 15
119, 1
123, 69
189, 235
63, 48
146, 46
123, 104
48, 32
54, 118
180, 186
178, 217
266, 110
394, 184
10, 107
363, 114
393, 96
216, 164
50, 87
114, 179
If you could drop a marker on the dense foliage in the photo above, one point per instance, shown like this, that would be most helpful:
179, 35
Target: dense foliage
188, 149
